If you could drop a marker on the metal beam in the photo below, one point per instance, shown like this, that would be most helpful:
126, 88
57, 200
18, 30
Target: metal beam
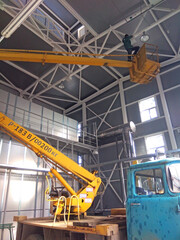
162, 30
98, 117
122, 160
120, 44
97, 94
38, 98
11, 167
118, 25
104, 33
123, 103
121, 23
108, 111
170, 61
22, 92
55, 45
166, 113
78, 17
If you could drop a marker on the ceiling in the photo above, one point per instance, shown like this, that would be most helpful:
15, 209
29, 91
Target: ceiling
54, 26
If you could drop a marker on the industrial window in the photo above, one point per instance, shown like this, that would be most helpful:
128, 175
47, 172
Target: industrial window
174, 177
148, 109
149, 182
79, 160
155, 144
79, 130
81, 31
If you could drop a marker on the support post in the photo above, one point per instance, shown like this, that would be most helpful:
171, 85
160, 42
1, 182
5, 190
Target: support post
166, 113
6, 200
84, 119
125, 120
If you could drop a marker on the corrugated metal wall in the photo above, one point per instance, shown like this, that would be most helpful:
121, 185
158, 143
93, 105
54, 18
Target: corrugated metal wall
22, 192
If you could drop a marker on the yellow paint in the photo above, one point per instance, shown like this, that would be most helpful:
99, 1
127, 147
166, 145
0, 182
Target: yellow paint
108, 230
142, 70
63, 181
50, 154
54, 57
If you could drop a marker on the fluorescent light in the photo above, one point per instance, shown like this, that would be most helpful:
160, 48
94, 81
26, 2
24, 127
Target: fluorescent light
20, 18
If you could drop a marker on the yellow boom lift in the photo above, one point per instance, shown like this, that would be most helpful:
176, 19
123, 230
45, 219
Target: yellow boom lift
143, 68
78, 202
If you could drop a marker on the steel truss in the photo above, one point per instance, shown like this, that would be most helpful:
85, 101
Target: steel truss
49, 29
60, 36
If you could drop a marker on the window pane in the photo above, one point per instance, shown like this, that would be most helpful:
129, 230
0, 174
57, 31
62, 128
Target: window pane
79, 130
149, 182
80, 160
145, 116
161, 149
153, 113
154, 143
146, 104
148, 109
151, 150
81, 31
174, 175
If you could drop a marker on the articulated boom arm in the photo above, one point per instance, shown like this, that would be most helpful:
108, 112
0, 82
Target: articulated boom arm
142, 70
85, 196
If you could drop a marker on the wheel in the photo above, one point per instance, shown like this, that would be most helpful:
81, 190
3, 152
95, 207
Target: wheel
35, 237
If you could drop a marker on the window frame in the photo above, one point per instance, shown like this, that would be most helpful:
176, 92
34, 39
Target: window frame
149, 195
151, 135
156, 107
80, 163
79, 130
79, 30
169, 180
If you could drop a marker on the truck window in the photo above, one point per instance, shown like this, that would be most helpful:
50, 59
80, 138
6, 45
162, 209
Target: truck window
149, 182
174, 177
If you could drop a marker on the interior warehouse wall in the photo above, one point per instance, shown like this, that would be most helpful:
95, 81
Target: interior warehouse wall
170, 89
36, 117
24, 195
133, 93
112, 196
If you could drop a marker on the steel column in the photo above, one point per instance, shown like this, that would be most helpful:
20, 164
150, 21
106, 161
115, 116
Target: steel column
166, 113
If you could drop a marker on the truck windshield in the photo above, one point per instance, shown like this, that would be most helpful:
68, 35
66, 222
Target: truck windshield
174, 177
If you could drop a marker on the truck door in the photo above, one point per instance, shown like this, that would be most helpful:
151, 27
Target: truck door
153, 209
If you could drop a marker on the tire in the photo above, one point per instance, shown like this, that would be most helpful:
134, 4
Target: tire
35, 237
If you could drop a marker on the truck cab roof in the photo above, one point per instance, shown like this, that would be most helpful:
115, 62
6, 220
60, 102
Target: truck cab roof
155, 163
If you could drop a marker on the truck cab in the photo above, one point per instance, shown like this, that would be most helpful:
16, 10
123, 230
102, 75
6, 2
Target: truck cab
153, 205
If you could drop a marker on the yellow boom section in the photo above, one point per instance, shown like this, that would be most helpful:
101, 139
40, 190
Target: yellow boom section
142, 68
43, 149
57, 57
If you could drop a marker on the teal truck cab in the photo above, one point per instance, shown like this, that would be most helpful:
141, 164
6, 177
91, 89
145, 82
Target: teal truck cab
153, 200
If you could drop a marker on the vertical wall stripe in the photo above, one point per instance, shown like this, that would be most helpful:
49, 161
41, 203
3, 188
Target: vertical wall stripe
166, 113
7, 103
123, 104
28, 123
15, 104
5, 182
